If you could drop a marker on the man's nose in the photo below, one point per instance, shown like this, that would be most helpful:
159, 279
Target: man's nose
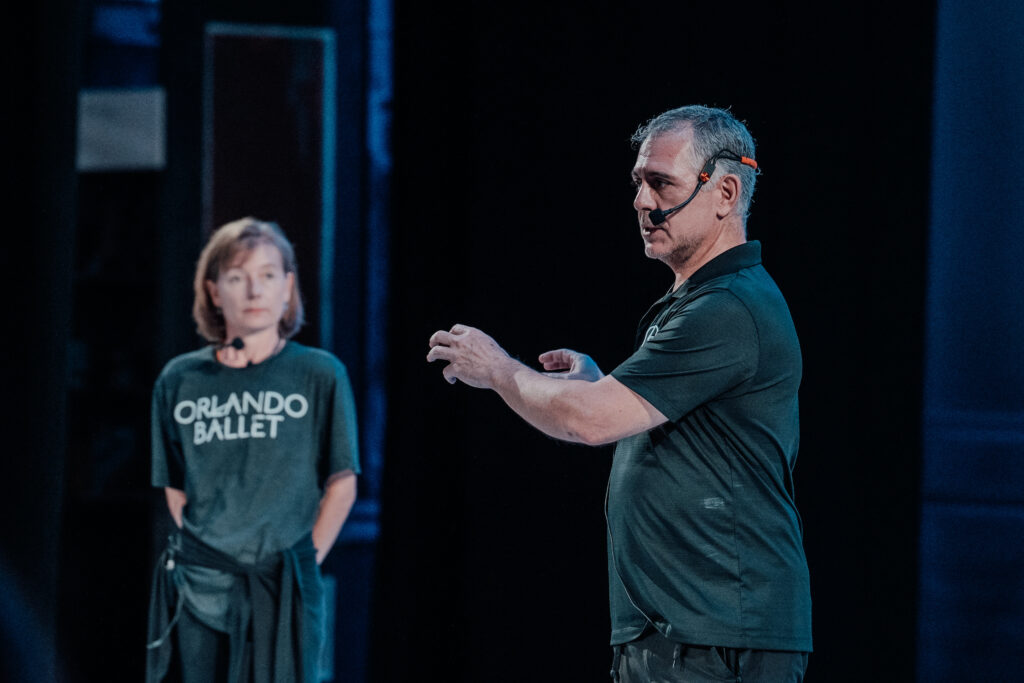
644, 198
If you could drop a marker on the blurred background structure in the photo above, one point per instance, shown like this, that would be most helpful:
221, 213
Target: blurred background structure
469, 162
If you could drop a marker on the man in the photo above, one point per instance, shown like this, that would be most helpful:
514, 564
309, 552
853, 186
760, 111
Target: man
708, 578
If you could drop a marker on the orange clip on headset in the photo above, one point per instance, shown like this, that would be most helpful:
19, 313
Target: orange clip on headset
658, 216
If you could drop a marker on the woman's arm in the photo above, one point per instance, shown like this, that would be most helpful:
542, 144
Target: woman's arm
176, 500
339, 496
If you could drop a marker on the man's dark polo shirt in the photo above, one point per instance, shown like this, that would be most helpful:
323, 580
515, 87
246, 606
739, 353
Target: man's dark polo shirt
705, 540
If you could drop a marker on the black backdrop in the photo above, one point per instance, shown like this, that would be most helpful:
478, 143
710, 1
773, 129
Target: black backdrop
512, 212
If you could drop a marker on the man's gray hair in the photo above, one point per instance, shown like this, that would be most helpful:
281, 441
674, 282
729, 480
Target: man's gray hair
714, 130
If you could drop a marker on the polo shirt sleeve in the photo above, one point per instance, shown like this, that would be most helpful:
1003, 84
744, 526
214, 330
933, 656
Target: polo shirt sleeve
167, 459
701, 352
342, 430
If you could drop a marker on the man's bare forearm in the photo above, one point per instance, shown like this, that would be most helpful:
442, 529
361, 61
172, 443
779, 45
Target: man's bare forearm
554, 406
595, 409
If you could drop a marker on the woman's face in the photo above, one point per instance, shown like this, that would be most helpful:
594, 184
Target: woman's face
253, 291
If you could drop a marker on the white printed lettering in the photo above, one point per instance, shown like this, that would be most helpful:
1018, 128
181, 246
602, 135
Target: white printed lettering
250, 401
179, 409
203, 406
215, 409
273, 403
214, 431
296, 412
212, 420
199, 432
274, 419
230, 405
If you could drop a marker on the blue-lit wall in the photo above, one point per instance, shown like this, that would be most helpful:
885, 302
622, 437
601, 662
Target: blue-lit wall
971, 619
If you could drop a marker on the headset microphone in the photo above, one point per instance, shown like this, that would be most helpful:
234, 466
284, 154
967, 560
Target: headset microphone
237, 343
659, 216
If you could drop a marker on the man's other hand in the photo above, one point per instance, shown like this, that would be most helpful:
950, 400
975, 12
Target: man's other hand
569, 364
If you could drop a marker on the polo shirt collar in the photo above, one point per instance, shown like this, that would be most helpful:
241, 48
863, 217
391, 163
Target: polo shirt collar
732, 260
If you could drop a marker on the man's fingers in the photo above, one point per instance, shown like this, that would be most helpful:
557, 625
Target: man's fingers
449, 374
440, 338
551, 356
440, 353
445, 338
446, 354
564, 354
559, 359
469, 353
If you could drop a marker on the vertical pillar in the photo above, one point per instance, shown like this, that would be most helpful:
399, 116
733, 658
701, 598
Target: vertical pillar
37, 256
268, 150
971, 601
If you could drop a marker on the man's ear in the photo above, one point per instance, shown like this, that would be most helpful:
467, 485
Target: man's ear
728, 194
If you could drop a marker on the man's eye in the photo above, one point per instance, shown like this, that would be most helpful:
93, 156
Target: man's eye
653, 183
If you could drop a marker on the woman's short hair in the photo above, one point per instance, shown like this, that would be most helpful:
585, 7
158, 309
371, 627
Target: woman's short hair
225, 244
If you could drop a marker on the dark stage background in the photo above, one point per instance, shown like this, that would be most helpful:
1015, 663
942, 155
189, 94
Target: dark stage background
512, 213
510, 210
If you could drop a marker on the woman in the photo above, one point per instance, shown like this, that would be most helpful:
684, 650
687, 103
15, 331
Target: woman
254, 442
